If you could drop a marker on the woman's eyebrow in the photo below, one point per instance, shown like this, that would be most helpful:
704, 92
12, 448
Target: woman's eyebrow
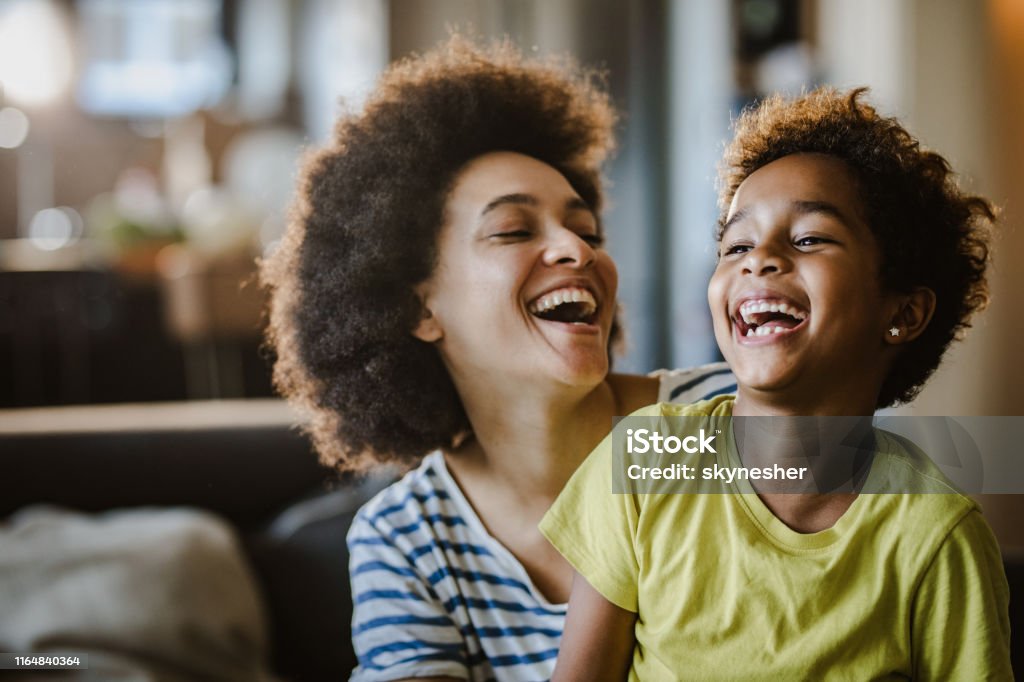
573, 204
577, 204
518, 199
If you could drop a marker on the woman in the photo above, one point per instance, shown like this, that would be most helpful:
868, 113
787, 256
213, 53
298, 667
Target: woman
443, 299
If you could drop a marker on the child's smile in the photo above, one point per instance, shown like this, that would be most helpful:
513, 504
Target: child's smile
767, 314
796, 297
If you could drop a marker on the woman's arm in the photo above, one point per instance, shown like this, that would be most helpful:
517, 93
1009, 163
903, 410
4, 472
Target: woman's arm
400, 629
598, 640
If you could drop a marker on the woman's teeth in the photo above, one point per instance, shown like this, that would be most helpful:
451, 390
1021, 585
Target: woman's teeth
553, 299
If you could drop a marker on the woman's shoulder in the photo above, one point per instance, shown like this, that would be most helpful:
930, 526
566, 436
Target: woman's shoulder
420, 495
685, 385
693, 384
422, 516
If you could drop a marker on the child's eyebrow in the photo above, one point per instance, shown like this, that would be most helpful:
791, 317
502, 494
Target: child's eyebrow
735, 218
801, 207
825, 207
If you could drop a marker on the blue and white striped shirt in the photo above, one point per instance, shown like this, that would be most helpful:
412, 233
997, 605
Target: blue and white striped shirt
436, 595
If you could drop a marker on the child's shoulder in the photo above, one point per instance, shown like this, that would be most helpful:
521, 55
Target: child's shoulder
911, 470
914, 492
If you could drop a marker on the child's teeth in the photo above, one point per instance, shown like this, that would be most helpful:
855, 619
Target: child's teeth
751, 308
764, 331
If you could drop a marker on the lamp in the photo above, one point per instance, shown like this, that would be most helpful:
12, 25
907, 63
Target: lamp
35, 72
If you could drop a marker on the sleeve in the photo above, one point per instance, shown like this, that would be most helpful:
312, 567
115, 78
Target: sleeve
595, 529
960, 620
693, 384
400, 627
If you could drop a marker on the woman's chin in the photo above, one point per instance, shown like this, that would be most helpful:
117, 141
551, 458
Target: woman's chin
584, 372
575, 370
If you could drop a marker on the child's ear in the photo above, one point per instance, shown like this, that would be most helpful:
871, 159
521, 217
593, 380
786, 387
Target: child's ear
428, 328
913, 313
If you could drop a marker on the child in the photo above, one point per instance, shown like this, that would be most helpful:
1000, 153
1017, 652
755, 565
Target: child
848, 261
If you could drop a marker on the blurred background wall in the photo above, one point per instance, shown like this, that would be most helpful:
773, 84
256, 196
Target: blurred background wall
148, 150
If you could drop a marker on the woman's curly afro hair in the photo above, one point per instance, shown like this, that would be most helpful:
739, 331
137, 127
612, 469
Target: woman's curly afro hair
930, 233
364, 233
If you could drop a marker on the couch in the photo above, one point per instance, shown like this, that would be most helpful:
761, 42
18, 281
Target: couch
245, 461
242, 460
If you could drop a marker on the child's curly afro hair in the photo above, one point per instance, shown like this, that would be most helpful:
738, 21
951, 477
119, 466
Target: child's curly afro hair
364, 232
930, 233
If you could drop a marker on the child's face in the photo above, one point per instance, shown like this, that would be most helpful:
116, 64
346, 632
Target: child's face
796, 299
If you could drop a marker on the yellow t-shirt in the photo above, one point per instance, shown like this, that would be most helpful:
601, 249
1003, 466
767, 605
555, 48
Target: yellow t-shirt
903, 586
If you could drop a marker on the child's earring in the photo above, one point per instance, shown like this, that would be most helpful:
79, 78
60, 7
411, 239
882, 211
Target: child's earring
912, 316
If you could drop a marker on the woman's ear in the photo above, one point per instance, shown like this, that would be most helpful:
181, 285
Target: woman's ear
428, 328
912, 316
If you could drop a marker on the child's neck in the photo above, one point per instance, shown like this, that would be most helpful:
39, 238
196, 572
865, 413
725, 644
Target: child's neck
836, 451
755, 403
808, 513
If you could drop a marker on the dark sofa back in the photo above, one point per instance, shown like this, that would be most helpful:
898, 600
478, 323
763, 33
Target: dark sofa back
259, 473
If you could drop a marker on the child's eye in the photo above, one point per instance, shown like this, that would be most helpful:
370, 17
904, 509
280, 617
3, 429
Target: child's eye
811, 241
733, 249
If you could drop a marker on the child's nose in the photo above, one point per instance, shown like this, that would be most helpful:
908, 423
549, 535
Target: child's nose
764, 260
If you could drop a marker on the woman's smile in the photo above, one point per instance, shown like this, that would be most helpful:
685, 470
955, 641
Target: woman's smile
517, 230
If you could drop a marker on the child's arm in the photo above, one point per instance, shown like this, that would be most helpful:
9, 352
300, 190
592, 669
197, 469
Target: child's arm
598, 640
960, 621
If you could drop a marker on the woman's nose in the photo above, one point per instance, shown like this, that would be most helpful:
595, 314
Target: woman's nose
566, 247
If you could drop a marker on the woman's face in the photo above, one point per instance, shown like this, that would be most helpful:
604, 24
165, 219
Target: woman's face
522, 286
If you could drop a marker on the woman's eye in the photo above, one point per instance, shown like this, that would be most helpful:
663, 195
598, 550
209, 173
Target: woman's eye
593, 239
512, 234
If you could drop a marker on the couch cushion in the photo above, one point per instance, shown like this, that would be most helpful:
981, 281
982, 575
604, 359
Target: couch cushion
162, 595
